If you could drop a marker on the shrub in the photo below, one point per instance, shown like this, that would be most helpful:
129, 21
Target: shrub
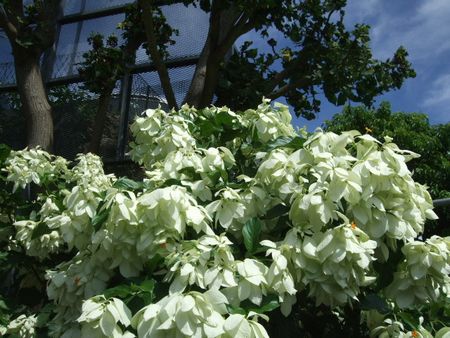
240, 222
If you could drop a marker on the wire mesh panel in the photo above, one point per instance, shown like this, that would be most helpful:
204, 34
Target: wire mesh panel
143, 96
7, 75
74, 110
12, 121
73, 42
192, 24
83, 6
180, 78
5, 48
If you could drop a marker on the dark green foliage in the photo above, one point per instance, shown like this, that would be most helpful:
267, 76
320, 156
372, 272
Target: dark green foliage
103, 65
251, 232
324, 57
134, 31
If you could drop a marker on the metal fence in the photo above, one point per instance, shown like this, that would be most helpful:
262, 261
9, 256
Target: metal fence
136, 91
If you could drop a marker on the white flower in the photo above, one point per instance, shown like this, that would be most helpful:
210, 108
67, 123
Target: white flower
336, 263
228, 209
101, 318
193, 315
33, 165
251, 280
268, 123
23, 326
424, 274
239, 326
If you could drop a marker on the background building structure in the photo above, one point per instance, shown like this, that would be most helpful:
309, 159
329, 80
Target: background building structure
138, 90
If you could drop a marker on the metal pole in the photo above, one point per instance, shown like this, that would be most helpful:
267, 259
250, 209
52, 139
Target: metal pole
125, 97
441, 202
77, 40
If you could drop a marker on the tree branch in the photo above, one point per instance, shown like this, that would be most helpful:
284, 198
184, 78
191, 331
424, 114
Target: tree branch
214, 24
232, 24
156, 56
218, 25
278, 78
287, 87
7, 25
243, 26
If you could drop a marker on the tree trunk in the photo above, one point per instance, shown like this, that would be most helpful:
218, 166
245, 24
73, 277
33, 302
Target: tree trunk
35, 105
99, 122
194, 94
204, 82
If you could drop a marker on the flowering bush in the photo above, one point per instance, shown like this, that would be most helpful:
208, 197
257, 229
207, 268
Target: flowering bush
240, 218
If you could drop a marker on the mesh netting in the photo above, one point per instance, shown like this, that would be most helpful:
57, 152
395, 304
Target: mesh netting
192, 24
74, 107
83, 6
12, 121
74, 110
7, 74
180, 78
143, 96
73, 42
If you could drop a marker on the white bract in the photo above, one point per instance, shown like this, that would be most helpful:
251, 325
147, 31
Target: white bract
424, 274
101, 318
237, 212
183, 315
23, 326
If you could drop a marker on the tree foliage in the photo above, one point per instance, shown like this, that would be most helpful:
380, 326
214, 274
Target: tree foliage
410, 131
243, 227
324, 56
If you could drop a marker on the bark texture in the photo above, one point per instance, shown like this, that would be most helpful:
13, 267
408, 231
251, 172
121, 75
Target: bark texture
99, 122
35, 105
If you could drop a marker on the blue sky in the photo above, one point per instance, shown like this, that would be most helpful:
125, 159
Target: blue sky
423, 27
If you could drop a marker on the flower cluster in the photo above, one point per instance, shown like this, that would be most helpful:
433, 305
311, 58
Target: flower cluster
33, 165
239, 214
424, 274
101, 318
22, 326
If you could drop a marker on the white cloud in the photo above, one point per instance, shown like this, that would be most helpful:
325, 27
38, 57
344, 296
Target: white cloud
424, 29
437, 99
358, 11
439, 92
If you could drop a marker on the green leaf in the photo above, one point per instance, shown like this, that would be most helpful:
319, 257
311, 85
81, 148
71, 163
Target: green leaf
412, 321
4, 152
41, 229
286, 142
44, 315
251, 232
223, 118
267, 307
153, 263
269, 304
236, 310
190, 171
373, 301
252, 53
148, 285
119, 291
3, 305
171, 181
100, 218
127, 184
